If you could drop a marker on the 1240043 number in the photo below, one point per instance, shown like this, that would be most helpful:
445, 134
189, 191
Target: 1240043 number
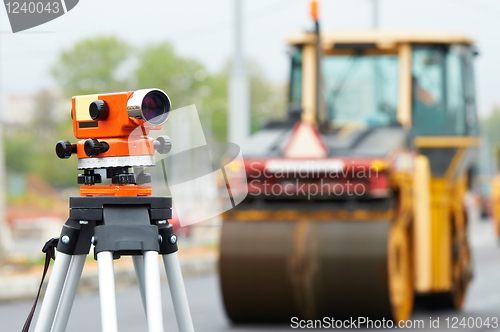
32, 7
472, 322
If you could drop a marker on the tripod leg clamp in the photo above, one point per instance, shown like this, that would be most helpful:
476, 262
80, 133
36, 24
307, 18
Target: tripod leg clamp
169, 240
75, 237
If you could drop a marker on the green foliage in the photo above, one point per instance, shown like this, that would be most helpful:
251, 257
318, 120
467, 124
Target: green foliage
490, 126
26, 152
187, 82
213, 107
91, 66
162, 68
57, 172
18, 148
267, 101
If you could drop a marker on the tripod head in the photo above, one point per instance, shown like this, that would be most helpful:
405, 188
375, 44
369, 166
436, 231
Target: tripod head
113, 130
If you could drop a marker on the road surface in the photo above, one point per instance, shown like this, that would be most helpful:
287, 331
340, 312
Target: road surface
483, 300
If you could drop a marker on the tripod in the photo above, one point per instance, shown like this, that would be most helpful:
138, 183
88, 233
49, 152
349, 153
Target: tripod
116, 226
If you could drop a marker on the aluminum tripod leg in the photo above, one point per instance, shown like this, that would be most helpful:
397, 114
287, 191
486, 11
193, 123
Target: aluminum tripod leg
107, 291
68, 293
53, 292
178, 292
153, 291
139, 272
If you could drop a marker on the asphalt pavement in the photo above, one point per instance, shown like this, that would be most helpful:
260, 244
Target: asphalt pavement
482, 302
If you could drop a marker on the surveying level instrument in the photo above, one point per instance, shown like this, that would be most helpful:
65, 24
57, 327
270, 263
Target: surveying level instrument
121, 218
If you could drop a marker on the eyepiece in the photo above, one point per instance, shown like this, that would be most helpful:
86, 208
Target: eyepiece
151, 105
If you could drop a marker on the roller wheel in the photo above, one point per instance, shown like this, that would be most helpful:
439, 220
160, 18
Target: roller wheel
461, 275
400, 273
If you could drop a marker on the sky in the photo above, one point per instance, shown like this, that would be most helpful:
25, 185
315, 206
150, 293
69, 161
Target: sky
202, 30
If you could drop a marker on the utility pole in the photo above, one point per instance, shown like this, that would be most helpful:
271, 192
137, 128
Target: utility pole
375, 13
5, 236
239, 110
4, 231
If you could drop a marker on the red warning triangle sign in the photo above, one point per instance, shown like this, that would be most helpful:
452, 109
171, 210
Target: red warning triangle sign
305, 142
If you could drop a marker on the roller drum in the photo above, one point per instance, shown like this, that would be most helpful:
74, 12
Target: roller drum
275, 270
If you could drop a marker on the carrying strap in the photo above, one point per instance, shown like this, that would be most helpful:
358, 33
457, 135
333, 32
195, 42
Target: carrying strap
50, 252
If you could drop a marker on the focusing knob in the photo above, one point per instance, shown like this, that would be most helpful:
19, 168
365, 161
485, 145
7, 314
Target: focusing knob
98, 110
64, 149
93, 147
163, 144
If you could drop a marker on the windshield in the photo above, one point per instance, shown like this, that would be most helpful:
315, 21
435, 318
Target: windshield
360, 89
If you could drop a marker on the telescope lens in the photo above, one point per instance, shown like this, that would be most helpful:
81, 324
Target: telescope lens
155, 108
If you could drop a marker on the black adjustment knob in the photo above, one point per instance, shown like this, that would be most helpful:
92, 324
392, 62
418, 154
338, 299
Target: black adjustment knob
93, 147
89, 177
163, 144
112, 171
64, 149
143, 178
98, 110
123, 179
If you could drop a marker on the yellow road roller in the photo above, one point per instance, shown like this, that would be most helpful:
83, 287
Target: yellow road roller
355, 202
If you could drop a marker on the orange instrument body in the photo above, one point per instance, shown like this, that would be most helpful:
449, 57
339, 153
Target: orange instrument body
117, 124
112, 129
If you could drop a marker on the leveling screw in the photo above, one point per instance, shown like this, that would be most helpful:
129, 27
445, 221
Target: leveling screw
65, 239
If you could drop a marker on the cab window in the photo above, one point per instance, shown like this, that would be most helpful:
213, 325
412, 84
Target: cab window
438, 91
296, 78
360, 89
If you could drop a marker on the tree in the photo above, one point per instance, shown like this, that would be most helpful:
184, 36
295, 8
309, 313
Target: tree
489, 128
91, 66
161, 67
490, 125
267, 101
